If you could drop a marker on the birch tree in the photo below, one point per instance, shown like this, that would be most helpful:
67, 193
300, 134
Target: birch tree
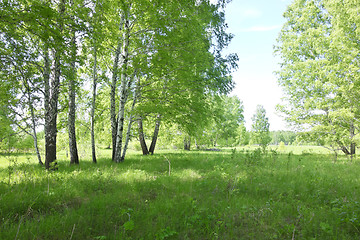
74, 157
21, 62
319, 72
260, 128
186, 67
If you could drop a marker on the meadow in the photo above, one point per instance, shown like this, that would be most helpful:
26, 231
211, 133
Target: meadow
231, 194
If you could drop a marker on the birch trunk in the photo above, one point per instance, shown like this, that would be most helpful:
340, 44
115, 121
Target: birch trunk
74, 157
93, 108
123, 93
34, 131
33, 123
155, 134
112, 99
129, 125
35, 139
46, 99
51, 114
144, 148
51, 102
157, 123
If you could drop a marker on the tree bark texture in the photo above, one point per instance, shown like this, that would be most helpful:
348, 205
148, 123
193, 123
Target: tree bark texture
143, 145
74, 157
155, 134
51, 114
51, 101
93, 102
113, 98
125, 82
47, 103
129, 124
33, 123
34, 131
35, 138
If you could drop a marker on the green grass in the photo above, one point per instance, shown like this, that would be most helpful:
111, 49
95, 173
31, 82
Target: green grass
182, 195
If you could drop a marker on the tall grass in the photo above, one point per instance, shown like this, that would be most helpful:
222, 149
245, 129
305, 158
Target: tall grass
182, 195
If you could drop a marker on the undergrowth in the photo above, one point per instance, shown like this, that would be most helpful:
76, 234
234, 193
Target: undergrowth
195, 195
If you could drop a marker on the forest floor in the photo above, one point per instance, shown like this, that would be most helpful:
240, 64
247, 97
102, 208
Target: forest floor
231, 194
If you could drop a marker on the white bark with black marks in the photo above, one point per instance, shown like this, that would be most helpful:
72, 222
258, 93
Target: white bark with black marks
113, 97
74, 157
51, 113
33, 125
130, 123
93, 105
51, 100
125, 82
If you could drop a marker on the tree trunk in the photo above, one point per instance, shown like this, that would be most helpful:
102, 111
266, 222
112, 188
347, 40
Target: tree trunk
35, 134
187, 142
74, 157
143, 145
345, 150
51, 100
47, 102
129, 125
335, 155
37, 147
158, 121
33, 124
352, 150
125, 82
155, 134
112, 99
352, 145
196, 144
51, 114
93, 151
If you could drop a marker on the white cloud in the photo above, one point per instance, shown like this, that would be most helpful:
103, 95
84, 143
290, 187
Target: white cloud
261, 28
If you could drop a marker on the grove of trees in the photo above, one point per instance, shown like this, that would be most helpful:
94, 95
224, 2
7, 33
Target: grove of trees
109, 64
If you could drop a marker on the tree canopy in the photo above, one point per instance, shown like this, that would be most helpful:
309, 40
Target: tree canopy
319, 74
260, 128
144, 60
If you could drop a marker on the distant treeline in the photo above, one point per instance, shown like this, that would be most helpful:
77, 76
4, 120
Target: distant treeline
287, 137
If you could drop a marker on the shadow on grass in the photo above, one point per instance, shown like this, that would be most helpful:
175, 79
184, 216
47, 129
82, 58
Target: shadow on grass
186, 195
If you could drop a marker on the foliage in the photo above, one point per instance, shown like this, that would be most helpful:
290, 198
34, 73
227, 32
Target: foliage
242, 135
153, 58
260, 128
287, 137
319, 74
227, 117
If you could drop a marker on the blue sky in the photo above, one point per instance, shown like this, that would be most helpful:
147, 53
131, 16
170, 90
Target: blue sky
256, 25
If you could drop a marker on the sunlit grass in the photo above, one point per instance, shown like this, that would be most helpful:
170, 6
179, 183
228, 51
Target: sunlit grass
295, 149
187, 174
182, 195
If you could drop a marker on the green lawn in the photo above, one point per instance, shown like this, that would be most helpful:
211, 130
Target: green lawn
239, 194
